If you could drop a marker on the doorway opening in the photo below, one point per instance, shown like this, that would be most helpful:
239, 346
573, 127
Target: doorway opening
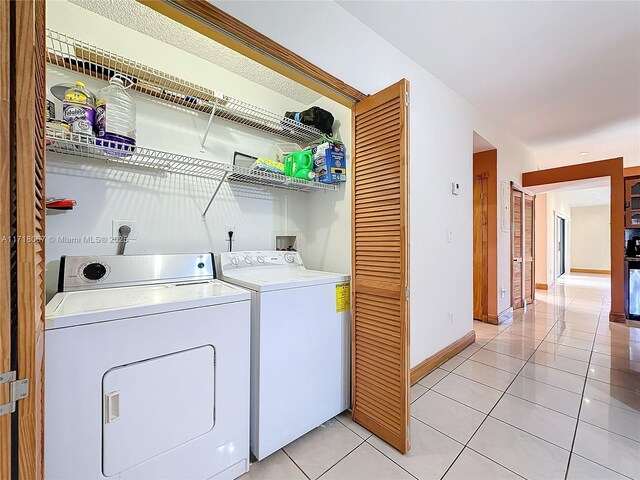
576, 237
561, 247
485, 231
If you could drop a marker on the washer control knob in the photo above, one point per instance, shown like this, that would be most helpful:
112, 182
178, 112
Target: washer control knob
260, 259
235, 261
288, 257
94, 271
248, 260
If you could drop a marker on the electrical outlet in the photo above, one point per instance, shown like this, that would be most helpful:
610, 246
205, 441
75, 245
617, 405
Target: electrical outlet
450, 318
229, 228
503, 292
115, 229
450, 235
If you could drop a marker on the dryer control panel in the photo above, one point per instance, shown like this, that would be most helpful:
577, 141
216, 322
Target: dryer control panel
108, 271
254, 259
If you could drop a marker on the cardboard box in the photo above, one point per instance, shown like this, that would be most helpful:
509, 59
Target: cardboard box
329, 162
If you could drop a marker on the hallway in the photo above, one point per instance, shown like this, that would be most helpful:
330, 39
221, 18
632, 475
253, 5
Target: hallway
554, 394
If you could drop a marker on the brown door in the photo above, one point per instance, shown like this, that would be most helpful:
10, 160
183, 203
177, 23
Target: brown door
22, 261
529, 248
380, 265
5, 235
480, 246
516, 248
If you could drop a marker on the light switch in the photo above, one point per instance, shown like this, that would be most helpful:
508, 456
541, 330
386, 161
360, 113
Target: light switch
455, 188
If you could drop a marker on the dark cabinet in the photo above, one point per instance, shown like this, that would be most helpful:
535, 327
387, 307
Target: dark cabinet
632, 202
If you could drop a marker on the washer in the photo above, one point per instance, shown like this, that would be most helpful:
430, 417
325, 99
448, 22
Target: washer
147, 370
300, 344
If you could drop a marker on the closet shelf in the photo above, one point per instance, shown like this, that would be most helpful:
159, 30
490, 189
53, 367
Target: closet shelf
86, 146
80, 57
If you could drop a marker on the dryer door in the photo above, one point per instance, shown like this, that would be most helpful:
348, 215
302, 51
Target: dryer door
155, 405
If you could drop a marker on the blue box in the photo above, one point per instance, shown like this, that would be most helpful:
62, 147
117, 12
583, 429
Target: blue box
329, 162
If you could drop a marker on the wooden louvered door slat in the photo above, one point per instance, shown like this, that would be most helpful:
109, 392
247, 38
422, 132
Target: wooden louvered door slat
28, 67
380, 268
5, 233
516, 248
529, 248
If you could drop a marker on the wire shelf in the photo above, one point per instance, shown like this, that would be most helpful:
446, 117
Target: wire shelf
87, 146
80, 57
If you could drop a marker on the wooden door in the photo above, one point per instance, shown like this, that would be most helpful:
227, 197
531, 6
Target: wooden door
516, 248
480, 247
5, 234
22, 210
380, 265
529, 248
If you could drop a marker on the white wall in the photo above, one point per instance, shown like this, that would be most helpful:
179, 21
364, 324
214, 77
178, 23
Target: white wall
541, 239
557, 204
591, 237
167, 208
441, 127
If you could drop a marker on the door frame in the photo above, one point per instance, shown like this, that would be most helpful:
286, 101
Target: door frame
614, 169
216, 24
486, 163
211, 21
557, 217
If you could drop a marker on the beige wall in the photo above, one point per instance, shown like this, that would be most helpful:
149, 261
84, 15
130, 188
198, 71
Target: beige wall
541, 239
548, 206
591, 238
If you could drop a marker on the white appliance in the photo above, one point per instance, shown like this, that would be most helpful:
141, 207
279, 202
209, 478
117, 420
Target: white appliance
300, 344
147, 370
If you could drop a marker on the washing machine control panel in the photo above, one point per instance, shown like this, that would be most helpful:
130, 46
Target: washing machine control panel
238, 260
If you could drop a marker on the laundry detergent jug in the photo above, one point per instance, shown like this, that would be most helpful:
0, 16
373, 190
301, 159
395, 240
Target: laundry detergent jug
299, 165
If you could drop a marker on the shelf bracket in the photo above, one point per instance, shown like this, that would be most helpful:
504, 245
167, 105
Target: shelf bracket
215, 192
206, 133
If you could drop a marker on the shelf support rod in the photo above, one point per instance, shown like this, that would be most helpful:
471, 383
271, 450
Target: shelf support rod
206, 133
215, 192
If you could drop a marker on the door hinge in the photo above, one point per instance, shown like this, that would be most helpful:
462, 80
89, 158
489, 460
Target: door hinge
18, 389
406, 98
407, 293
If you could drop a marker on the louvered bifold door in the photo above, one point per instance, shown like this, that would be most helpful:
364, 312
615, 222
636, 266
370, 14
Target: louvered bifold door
5, 234
529, 248
380, 265
516, 248
29, 96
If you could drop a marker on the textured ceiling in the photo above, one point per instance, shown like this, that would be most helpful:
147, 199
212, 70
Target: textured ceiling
138, 17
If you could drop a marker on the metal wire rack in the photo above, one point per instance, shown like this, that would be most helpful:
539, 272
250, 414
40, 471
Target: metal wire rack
80, 57
87, 146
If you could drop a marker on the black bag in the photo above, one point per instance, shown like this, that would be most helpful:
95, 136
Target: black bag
315, 117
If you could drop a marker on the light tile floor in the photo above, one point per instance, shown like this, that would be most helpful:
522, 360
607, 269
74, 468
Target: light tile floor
553, 394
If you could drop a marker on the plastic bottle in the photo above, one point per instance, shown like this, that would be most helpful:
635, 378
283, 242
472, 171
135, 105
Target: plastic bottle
116, 116
78, 109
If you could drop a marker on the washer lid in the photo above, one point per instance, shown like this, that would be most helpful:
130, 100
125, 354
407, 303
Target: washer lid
267, 279
89, 306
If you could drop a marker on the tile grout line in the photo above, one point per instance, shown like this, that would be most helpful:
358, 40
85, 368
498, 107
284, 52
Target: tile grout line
584, 387
494, 406
294, 462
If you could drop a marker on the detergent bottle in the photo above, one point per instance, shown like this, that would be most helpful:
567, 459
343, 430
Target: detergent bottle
299, 165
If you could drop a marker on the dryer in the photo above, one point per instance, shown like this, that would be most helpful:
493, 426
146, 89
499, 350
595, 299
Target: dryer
300, 344
147, 370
